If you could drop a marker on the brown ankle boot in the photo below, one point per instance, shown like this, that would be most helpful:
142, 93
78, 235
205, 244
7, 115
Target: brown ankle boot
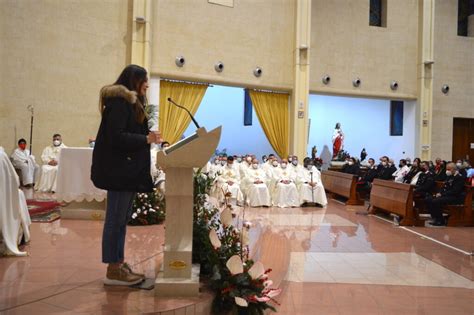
129, 269
121, 276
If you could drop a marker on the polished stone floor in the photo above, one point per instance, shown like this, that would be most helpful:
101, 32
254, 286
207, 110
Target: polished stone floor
327, 260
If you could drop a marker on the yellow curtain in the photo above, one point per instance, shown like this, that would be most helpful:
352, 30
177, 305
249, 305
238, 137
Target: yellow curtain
173, 121
272, 112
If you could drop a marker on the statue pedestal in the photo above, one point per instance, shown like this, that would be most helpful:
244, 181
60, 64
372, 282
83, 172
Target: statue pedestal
178, 286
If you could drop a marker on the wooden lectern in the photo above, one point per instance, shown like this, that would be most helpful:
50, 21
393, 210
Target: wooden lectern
178, 276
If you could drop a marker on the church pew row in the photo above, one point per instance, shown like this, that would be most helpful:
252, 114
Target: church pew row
395, 198
341, 184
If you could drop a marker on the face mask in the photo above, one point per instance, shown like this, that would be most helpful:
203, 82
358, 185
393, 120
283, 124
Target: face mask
351, 163
309, 167
216, 162
249, 159
230, 165
22, 146
223, 163
239, 160
255, 166
91, 144
283, 165
449, 173
290, 160
275, 163
264, 160
294, 162
56, 143
459, 165
384, 163
371, 164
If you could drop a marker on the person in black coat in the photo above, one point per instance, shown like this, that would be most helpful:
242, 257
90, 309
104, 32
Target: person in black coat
452, 193
121, 164
440, 170
352, 167
425, 182
386, 169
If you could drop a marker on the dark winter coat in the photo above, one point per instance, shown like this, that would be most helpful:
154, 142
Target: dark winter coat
121, 157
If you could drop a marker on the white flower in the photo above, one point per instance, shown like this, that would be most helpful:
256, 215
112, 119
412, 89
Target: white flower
257, 270
226, 217
267, 283
273, 292
139, 210
145, 212
215, 241
152, 210
235, 265
134, 216
241, 302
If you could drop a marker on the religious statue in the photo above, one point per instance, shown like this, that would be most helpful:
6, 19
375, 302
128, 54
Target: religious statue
313, 152
363, 155
337, 140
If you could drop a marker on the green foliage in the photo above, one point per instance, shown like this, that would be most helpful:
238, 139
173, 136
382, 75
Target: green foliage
148, 208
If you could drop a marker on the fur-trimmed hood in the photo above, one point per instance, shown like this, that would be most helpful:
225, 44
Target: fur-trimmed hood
118, 90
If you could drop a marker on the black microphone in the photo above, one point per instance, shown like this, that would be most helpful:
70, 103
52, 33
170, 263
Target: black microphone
191, 115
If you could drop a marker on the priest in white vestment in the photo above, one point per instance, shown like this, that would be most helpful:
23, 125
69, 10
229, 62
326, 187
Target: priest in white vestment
296, 166
255, 186
229, 181
49, 170
14, 217
284, 192
22, 160
245, 165
311, 188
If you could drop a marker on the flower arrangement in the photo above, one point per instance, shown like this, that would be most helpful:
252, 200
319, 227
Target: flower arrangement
240, 284
148, 208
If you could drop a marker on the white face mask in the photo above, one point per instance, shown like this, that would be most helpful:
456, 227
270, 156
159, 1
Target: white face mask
283, 165
275, 163
216, 162
239, 160
230, 165
56, 143
351, 163
309, 167
249, 160
255, 166
290, 160
449, 173
223, 163
384, 163
91, 144
294, 162
459, 165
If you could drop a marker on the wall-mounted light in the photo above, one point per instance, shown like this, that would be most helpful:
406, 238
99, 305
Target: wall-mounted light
326, 79
140, 19
394, 85
257, 72
445, 89
180, 61
356, 82
219, 66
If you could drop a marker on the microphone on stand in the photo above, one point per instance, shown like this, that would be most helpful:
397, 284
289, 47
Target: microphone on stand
189, 113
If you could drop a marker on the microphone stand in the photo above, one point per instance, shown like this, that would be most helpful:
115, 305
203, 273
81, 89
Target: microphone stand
31, 109
189, 113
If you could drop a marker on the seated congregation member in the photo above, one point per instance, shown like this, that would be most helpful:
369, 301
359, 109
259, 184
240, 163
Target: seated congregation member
385, 169
351, 167
284, 191
461, 168
425, 182
412, 176
26, 163
440, 170
255, 186
229, 181
245, 165
403, 170
311, 187
371, 173
469, 170
49, 170
452, 193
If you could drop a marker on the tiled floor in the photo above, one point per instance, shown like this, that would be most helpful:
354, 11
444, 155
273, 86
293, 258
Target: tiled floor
327, 260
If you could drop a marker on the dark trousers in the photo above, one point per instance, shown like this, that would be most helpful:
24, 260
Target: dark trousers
434, 205
119, 211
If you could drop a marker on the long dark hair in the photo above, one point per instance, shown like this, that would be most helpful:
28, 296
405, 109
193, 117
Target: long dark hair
132, 77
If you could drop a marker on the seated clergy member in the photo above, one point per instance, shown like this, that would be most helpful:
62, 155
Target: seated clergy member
452, 193
351, 167
49, 170
22, 160
255, 186
229, 181
284, 191
295, 165
311, 188
403, 170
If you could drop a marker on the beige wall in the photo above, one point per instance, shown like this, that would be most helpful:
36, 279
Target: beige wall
344, 46
454, 65
56, 55
252, 33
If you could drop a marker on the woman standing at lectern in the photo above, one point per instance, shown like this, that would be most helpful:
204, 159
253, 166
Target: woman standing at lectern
121, 164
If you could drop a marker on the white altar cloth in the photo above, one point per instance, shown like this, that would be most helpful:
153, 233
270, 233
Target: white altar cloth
74, 172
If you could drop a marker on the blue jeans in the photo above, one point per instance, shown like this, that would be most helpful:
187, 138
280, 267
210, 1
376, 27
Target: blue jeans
119, 211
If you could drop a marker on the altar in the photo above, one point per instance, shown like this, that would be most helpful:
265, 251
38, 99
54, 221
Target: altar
74, 186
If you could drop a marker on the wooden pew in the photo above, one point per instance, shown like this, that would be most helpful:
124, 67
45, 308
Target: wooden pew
395, 198
345, 185
459, 215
